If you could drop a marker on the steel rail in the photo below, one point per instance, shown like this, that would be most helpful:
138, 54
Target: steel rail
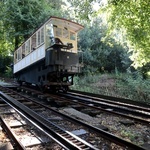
140, 120
103, 133
105, 100
64, 138
114, 106
16, 144
112, 99
99, 131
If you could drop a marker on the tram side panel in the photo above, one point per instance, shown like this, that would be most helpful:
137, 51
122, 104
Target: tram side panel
41, 67
26, 69
35, 68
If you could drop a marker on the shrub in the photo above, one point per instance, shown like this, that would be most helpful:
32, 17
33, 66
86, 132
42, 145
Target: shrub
127, 85
8, 72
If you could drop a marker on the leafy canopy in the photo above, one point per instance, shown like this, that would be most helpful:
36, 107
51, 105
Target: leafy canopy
18, 19
97, 53
133, 16
21, 17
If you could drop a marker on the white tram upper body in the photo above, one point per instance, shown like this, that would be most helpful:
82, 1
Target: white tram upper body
49, 57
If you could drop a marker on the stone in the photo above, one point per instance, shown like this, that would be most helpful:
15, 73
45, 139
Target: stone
127, 122
79, 132
83, 117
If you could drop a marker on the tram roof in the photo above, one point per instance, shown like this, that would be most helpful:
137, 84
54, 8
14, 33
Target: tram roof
66, 23
59, 21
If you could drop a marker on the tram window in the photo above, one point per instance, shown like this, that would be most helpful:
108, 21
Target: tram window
27, 47
23, 50
72, 36
58, 31
19, 53
42, 35
65, 33
39, 37
15, 56
49, 35
33, 42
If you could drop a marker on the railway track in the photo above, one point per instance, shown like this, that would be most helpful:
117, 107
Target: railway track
112, 99
98, 131
20, 134
135, 112
64, 138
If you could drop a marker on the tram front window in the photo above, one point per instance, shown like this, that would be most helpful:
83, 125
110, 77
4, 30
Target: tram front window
49, 35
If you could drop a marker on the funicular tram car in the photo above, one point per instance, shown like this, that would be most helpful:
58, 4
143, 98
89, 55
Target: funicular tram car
49, 57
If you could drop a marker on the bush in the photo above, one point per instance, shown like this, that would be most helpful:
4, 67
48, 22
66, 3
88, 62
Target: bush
8, 72
131, 86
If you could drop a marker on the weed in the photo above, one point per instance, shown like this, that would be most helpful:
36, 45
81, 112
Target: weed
118, 85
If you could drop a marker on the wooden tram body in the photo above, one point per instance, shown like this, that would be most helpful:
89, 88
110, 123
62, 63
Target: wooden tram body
49, 57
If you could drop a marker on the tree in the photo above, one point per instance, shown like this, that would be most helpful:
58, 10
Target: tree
5, 44
132, 16
98, 53
82, 8
21, 18
5, 61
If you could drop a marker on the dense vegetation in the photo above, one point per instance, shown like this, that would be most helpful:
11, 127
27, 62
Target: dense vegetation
99, 55
123, 85
130, 16
115, 41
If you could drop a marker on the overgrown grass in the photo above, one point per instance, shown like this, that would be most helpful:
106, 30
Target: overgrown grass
119, 85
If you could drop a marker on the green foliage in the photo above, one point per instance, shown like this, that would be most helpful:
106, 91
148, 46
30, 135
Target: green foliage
128, 134
133, 86
21, 18
82, 8
145, 70
5, 44
84, 83
97, 53
126, 85
133, 17
8, 72
4, 62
